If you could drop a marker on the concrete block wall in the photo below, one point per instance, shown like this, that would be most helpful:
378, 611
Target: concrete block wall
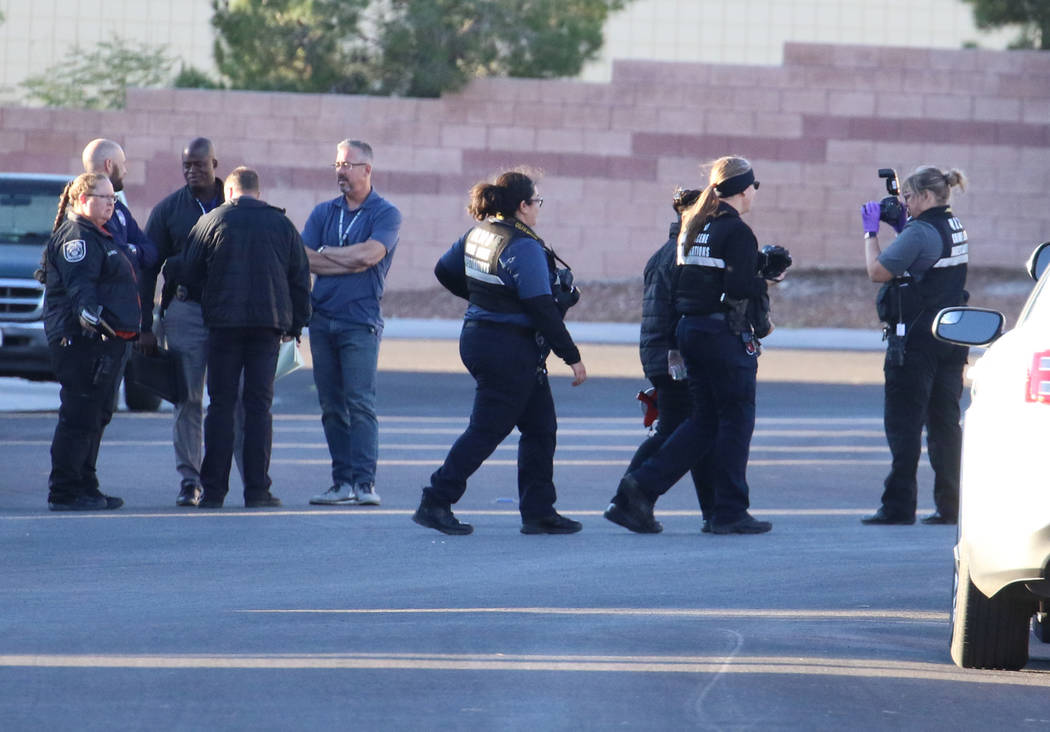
816, 129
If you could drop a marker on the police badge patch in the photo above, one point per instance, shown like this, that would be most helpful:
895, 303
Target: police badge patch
74, 251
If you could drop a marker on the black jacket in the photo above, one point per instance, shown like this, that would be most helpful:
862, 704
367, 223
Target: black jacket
86, 268
659, 317
248, 261
168, 228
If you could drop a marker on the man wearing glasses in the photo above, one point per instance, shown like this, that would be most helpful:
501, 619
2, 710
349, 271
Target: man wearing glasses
350, 244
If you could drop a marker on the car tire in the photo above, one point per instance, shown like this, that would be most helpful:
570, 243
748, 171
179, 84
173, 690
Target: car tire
987, 632
139, 399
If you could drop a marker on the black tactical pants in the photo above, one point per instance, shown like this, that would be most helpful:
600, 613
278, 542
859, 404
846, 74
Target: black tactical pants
722, 374
89, 371
674, 406
924, 390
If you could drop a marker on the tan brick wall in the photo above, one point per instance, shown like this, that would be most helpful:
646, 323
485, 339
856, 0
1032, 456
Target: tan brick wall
816, 129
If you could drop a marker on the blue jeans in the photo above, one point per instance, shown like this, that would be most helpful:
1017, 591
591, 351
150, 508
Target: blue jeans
345, 357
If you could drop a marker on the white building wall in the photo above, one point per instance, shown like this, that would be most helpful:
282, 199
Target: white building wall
754, 31
38, 33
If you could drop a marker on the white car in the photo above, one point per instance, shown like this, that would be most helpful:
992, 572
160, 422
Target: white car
1003, 544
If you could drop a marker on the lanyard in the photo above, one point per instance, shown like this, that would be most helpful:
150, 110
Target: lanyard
343, 232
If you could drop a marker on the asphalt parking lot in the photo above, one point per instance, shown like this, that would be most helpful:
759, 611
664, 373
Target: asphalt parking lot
304, 616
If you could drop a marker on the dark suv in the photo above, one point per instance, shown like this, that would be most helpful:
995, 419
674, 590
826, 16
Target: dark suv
28, 204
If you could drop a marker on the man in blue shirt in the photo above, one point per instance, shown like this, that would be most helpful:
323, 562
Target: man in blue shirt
350, 244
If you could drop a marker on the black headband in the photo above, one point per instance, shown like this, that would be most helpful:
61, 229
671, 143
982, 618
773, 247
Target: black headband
736, 184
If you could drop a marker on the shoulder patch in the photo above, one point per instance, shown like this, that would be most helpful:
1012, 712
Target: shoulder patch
120, 217
74, 251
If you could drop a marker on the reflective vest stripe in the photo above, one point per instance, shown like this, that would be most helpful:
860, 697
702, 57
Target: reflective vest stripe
702, 261
960, 255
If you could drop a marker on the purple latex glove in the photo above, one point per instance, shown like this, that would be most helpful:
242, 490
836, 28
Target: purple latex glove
898, 225
869, 214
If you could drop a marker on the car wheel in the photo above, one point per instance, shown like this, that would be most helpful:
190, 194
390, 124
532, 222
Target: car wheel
139, 399
987, 632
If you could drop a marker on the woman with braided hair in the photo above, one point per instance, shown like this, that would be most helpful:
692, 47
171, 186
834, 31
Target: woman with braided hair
91, 313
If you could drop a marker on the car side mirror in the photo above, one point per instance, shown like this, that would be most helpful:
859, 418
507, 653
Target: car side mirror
968, 326
1037, 263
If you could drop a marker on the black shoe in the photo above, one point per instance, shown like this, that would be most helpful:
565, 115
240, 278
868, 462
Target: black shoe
265, 501
207, 501
189, 493
746, 525
881, 518
439, 517
705, 528
937, 518
553, 524
633, 509
629, 521
88, 503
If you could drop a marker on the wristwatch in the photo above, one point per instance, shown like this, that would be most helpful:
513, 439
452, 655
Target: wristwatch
321, 248
867, 235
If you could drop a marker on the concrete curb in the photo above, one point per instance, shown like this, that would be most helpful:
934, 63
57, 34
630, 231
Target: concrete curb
823, 339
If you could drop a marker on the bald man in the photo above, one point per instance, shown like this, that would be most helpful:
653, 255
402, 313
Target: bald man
182, 328
107, 158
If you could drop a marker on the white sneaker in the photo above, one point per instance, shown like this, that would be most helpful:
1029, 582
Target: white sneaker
338, 494
366, 494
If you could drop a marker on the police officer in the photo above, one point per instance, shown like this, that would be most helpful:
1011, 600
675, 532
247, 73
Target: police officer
659, 355
91, 313
716, 283
517, 301
923, 270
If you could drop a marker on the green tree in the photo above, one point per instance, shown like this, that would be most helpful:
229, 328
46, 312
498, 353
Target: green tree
1033, 16
404, 47
289, 45
426, 47
190, 77
99, 79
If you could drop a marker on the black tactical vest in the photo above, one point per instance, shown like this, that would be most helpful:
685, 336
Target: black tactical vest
700, 274
943, 285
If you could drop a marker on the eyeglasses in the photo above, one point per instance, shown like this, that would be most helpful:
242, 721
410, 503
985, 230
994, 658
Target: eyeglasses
536, 200
343, 165
111, 199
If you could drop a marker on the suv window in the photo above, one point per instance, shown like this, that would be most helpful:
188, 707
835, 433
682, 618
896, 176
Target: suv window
27, 210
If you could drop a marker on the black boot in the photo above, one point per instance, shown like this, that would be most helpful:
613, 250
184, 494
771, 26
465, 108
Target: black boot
438, 516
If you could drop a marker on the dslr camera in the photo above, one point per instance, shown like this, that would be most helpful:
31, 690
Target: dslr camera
565, 292
890, 207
